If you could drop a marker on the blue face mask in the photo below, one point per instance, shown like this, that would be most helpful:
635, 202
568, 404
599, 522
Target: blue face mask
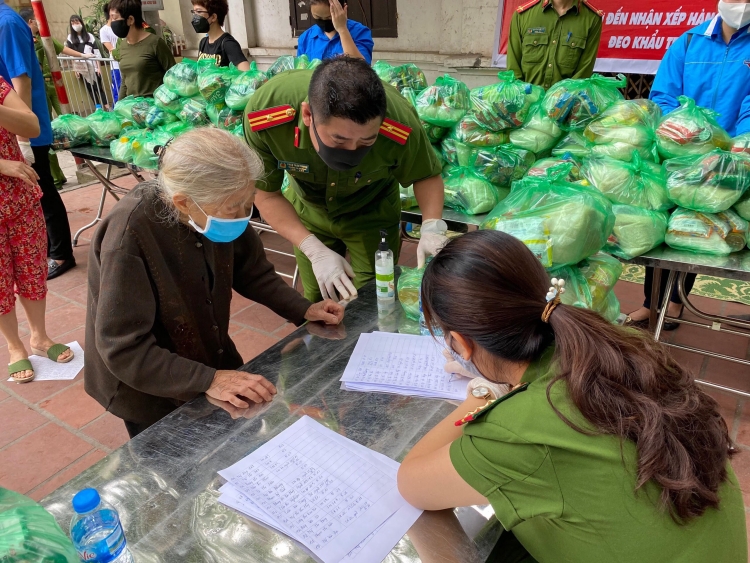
468, 365
221, 230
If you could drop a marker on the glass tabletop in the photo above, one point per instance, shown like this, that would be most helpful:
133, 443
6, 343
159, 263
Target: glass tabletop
452, 217
736, 266
97, 154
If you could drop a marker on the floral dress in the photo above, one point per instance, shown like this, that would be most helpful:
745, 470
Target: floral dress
23, 235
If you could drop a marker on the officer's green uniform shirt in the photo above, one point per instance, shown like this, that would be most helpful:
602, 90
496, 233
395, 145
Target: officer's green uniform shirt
41, 54
544, 48
569, 498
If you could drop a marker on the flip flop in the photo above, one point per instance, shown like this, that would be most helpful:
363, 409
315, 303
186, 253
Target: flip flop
18, 367
53, 352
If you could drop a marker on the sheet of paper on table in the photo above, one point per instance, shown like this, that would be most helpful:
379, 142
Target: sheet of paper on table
327, 492
404, 364
47, 370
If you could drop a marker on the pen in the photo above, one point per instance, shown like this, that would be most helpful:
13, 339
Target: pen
569, 34
357, 176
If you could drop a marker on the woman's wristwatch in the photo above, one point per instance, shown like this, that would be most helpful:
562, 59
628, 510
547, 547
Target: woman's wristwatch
483, 392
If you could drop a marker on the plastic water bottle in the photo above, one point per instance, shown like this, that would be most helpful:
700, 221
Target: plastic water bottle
98, 106
384, 278
96, 530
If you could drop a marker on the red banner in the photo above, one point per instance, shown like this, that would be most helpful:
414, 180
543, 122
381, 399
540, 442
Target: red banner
635, 36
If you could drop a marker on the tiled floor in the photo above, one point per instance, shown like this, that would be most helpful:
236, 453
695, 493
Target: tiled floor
51, 431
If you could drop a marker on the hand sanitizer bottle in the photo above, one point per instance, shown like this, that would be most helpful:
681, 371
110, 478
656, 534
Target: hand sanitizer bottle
386, 290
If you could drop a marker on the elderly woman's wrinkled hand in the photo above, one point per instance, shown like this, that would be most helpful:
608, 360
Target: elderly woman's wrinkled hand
327, 311
237, 387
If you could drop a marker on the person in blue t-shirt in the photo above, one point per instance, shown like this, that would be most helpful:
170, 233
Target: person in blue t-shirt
711, 64
19, 66
334, 34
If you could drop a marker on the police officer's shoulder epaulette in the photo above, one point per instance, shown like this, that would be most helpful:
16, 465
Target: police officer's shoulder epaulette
593, 8
479, 412
395, 131
271, 117
527, 5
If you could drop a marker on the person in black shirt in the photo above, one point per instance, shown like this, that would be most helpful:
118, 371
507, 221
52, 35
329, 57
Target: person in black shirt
208, 17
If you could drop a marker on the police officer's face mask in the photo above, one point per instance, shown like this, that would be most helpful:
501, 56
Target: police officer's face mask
339, 159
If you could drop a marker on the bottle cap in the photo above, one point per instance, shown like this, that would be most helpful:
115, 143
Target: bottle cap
98, 106
86, 501
383, 244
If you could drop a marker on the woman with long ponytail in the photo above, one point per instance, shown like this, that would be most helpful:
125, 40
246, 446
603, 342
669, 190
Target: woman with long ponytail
604, 450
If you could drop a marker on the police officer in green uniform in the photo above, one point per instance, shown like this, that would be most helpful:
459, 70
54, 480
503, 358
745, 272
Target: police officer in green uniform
550, 40
347, 141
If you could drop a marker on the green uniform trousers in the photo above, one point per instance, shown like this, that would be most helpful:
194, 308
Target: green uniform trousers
358, 232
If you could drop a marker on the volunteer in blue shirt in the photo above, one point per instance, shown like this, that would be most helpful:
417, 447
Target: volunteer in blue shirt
711, 64
334, 34
20, 67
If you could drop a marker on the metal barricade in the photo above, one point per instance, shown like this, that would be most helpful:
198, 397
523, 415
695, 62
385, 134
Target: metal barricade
89, 81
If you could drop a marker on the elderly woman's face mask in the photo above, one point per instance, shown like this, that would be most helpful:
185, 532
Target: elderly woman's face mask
225, 222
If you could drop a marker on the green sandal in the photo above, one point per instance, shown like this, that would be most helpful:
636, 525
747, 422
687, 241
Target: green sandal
18, 367
53, 352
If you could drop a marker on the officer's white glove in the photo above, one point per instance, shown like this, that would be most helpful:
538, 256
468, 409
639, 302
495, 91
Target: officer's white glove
479, 387
331, 269
26, 151
432, 240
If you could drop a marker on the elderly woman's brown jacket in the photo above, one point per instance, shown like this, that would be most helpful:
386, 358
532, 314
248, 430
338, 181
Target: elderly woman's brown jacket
158, 307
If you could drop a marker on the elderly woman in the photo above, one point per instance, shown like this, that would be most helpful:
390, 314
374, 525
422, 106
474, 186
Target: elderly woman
162, 268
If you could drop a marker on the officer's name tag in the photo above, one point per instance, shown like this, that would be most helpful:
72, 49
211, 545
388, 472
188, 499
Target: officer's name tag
294, 166
536, 30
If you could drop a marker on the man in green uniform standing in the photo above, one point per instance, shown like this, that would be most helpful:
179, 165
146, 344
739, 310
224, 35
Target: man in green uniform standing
52, 101
550, 40
347, 141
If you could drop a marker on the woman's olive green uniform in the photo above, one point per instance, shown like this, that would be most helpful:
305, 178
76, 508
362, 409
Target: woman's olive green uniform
569, 497
345, 210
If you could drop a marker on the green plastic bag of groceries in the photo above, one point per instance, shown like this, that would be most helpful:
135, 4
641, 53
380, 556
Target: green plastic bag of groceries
636, 231
70, 130
640, 182
223, 117
444, 103
625, 127
194, 111
539, 134
282, 64
122, 147
588, 285
540, 167
408, 199
407, 287
468, 192
448, 148
711, 183
573, 103
123, 108
573, 144
144, 154
182, 78
239, 130
139, 110
469, 132
244, 86
105, 127
742, 207
498, 165
30, 534
690, 130
157, 117
719, 234
741, 143
504, 105
214, 81
560, 222
167, 100
402, 76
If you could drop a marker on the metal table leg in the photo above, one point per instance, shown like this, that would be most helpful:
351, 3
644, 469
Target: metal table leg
664, 302
654, 309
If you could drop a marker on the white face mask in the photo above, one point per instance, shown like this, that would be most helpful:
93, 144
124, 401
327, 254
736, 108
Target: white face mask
735, 15
77, 27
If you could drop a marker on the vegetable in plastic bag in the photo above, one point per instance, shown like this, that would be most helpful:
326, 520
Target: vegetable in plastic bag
538, 135
588, 285
139, 110
540, 167
105, 127
408, 199
194, 112
504, 105
403, 76
741, 143
239, 130
123, 108
636, 231
70, 130
282, 64
122, 148
690, 130
470, 132
223, 117
167, 100
468, 192
640, 182
143, 149
624, 127
158, 117
573, 144
30, 534
434, 133
182, 78
573, 103
742, 207
713, 233
408, 286
214, 81
498, 165
444, 103
448, 147
561, 223
244, 86
710, 183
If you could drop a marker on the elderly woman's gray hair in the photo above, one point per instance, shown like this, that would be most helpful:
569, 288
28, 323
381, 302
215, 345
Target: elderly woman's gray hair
207, 165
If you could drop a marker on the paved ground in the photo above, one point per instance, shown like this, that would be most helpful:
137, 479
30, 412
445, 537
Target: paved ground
51, 431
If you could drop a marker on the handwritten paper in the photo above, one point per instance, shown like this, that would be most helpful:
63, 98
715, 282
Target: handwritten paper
47, 370
320, 488
401, 363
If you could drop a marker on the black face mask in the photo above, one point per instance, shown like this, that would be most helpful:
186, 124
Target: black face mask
120, 28
200, 24
339, 159
325, 25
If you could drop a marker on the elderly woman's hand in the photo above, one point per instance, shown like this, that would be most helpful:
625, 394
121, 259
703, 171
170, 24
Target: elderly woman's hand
237, 386
329, 312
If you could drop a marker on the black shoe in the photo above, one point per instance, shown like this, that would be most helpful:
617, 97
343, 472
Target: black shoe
55, 270
668, 326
